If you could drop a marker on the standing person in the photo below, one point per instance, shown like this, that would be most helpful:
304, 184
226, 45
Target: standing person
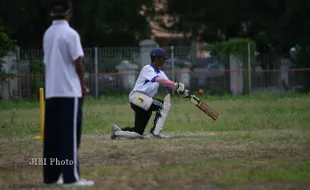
142, 99
64, 90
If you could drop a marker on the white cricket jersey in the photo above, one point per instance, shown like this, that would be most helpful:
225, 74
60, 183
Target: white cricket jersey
146, 80
62, 46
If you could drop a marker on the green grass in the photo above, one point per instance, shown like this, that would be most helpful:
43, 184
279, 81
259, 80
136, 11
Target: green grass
258, 142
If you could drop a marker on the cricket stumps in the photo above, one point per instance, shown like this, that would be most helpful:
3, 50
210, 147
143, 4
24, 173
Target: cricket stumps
41, 137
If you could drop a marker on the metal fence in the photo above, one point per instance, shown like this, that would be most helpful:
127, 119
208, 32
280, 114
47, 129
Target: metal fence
214, 75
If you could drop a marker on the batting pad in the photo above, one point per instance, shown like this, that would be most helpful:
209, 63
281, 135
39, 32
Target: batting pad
163, 115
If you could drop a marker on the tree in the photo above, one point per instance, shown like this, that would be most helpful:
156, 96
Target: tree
274, 25
111, 23
6, 44
101, 23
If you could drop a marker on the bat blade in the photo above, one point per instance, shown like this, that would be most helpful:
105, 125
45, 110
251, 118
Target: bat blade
203, 107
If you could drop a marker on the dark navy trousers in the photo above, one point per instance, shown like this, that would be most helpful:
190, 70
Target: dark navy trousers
142, 117
62, 137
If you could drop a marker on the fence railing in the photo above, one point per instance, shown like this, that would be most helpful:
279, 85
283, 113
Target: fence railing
212, 82
214, 75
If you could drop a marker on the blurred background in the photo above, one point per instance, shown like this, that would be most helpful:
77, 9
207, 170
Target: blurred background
222, 46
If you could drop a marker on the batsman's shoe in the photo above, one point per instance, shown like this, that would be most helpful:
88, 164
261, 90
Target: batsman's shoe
159, 136
80, 183
114, 129
118, 133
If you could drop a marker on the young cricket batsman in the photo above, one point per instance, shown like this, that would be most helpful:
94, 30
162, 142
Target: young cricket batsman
142, 99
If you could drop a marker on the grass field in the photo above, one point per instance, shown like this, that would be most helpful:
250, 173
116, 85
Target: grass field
259, 142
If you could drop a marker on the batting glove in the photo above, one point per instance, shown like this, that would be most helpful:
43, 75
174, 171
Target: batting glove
179, 87
184, 94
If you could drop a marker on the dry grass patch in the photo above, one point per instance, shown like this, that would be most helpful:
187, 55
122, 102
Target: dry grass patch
257, 143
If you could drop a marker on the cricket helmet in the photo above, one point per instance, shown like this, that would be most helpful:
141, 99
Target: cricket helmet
61, 7
159, 52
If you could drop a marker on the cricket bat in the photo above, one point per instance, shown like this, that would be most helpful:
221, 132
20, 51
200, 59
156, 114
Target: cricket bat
203, 106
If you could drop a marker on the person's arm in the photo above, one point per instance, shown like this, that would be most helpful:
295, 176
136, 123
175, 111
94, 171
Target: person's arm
170, 84
178, 86
77, 55
79, 68
163, 80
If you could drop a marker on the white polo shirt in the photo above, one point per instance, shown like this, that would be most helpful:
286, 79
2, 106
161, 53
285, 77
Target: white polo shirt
61, 46
146, 80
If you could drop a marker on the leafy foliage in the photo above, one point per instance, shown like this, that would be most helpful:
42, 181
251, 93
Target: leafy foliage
236, 47
275, 26
101, 23
6, 46
37, 71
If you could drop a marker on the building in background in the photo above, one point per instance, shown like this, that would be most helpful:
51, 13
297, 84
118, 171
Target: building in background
166, 38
